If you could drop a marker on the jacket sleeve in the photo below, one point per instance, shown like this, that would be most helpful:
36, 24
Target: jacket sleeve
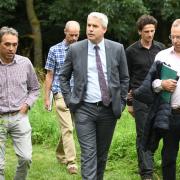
65, 76
145, 92
124, 77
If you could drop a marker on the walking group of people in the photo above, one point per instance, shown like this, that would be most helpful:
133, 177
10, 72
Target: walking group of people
91, 80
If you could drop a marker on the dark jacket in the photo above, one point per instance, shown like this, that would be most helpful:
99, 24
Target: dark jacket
160, 111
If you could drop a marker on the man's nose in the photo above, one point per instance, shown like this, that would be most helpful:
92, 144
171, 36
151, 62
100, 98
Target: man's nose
91, 28
151, 33
11, 47
74, 37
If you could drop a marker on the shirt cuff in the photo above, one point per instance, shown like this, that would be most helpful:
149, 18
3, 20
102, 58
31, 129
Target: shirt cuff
157, 85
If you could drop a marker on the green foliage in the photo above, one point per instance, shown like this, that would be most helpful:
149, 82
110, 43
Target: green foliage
164, 9
41, 74
171, 10
45, 129
124, 142
122, 161
53, 15
6, 10
122, 14
8, 4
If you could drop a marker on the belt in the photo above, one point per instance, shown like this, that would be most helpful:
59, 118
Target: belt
100, 103
13, 113
176, 110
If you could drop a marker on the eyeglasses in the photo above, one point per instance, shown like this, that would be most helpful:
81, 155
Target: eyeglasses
174, 37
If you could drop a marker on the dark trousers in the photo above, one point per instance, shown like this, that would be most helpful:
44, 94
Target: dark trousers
170, 148
145, 158
95, 127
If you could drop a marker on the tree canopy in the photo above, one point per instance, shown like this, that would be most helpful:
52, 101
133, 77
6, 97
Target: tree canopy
51, 17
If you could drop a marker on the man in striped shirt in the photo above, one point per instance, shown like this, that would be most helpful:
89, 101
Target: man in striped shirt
19, 88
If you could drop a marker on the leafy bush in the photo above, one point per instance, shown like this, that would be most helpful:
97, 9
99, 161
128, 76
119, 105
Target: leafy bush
44, 124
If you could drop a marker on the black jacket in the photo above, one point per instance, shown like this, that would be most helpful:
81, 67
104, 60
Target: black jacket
160, 111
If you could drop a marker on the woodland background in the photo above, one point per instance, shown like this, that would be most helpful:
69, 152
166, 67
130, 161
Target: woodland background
40, 23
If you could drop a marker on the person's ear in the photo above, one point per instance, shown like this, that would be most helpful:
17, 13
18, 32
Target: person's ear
65, 31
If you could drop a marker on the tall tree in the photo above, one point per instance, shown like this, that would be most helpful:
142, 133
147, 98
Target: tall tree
36, 33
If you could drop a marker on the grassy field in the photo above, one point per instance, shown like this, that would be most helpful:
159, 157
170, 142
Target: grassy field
121, 165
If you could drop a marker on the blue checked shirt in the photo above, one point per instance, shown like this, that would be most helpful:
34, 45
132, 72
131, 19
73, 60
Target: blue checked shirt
55, 61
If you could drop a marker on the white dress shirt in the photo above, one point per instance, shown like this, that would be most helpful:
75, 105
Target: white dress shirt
170, 57
93, 93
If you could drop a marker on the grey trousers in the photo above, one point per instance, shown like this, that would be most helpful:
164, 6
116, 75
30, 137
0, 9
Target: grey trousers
95, 127
19, 128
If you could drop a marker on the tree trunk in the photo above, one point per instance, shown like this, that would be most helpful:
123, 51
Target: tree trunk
36, 31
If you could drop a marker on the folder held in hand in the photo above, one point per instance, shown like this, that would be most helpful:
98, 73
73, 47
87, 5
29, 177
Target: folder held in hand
167, 73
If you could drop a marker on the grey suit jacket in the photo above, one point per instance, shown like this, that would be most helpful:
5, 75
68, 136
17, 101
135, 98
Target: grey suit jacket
76, 63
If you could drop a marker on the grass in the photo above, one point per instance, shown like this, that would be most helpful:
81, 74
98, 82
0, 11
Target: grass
121, 165
46, 167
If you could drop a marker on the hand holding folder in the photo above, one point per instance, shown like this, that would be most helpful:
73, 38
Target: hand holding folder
167, 73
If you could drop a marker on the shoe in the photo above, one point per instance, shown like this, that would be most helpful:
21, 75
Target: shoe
72, 169
61, 160
147, 177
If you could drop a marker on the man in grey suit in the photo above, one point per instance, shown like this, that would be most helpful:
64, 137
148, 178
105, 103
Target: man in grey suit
99, 95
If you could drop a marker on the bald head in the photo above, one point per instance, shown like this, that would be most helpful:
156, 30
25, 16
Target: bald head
71, 30
175, 35
176, 23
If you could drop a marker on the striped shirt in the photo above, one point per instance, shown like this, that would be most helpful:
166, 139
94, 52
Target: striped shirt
18, 84
55, 61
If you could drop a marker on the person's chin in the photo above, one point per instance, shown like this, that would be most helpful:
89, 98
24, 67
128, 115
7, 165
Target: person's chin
10, 56
91, 39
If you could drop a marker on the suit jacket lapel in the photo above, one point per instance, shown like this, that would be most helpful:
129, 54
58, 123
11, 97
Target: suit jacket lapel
108, 58
84, 59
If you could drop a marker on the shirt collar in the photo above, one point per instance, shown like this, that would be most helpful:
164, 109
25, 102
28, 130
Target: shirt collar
66, 46
101, 44
13, 62
140, 45
171, 49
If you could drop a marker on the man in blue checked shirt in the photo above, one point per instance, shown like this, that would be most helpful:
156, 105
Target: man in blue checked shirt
65, 152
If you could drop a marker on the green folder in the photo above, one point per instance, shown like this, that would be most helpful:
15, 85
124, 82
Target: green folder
167, 73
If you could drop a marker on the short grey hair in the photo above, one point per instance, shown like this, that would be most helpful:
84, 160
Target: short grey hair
7, 30
102, 17
176, 23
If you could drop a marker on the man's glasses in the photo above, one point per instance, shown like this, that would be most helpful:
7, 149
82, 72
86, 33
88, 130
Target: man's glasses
174, 37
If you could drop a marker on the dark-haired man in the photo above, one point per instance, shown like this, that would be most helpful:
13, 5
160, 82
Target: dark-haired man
140, 57
19, 88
